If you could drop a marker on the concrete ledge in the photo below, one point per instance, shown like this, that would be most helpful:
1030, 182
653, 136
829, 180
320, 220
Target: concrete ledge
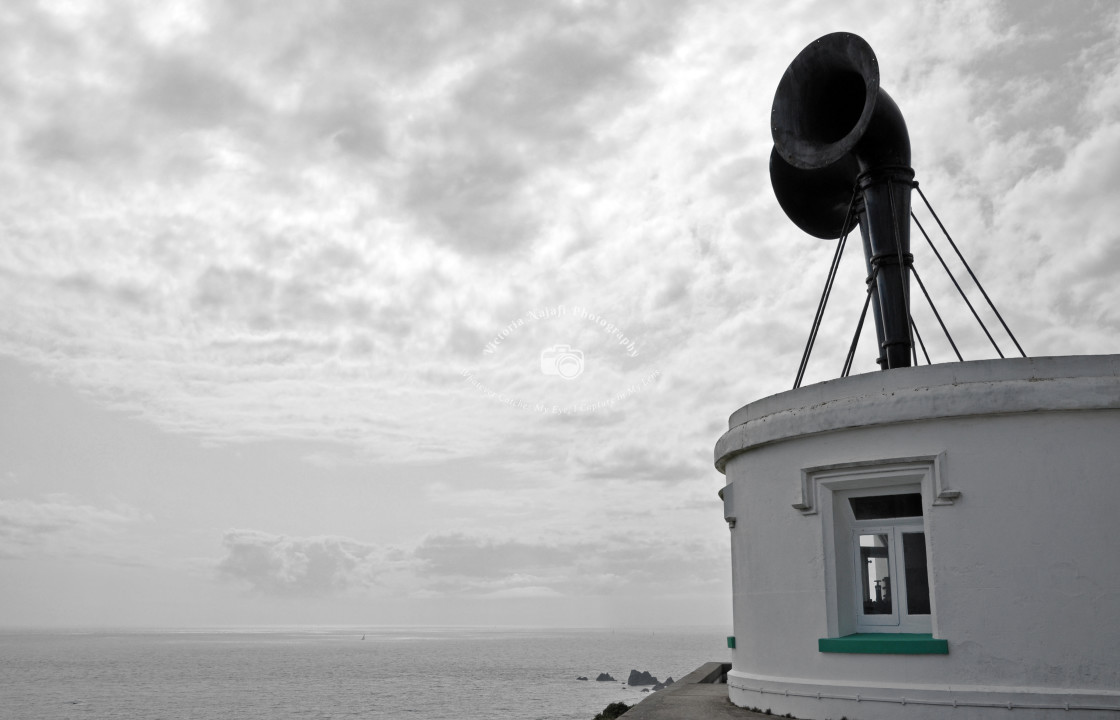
950, 390
700, 695
712, 672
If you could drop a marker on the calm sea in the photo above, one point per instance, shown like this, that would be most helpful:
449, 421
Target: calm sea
412, 673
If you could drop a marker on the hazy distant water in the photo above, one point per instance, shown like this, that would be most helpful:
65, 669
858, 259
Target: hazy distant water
416, 673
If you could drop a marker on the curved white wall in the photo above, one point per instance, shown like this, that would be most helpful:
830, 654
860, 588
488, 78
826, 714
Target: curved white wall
1023, 539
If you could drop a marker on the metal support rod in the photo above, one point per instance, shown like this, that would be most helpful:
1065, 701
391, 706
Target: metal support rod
966, 266
918, 335
859, 327
955, 283
820, 313
937, 314
824, 296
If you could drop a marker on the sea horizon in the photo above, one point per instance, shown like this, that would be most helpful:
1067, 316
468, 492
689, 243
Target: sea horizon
430, 672
356, 626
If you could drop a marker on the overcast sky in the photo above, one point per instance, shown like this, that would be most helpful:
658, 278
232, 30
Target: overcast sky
432, 312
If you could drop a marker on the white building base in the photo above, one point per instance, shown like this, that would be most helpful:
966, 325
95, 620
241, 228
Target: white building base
805, 698
1016, 467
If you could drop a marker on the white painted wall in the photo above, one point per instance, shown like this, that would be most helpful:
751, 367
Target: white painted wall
1024, 564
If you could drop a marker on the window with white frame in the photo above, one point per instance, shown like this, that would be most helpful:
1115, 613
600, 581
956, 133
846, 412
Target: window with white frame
887, 545
875, 517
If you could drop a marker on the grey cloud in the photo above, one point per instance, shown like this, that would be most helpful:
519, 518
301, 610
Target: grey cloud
1079, 201
275, 350
461, 564
351, 124
257, 300
62, 116
476, 557
333, 257
300, 301
1049, 61
541, 89
735, 178
111, 103
126, 293
62, 140
148, 98
670, 565
219, 288
614, 563
359, 346
675, 290
398, 36
465, 341
470, 200
293, 566
60, 523
536, 77
604, 419
634, 462
191, 92
516, 111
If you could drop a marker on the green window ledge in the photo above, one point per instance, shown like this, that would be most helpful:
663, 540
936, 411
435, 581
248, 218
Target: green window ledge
885, 644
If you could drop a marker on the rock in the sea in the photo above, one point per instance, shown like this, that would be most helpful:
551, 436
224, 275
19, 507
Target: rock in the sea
641, 678
612, 711
658, 686
604, 677
581, 677
669, 681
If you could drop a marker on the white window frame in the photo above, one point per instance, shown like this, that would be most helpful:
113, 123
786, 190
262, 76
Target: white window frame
899, 619
825, 490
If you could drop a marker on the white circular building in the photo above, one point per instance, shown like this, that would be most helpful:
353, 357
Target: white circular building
929, 542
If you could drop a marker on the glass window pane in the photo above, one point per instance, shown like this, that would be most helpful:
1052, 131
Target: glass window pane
917, 578
879, 507
874, 556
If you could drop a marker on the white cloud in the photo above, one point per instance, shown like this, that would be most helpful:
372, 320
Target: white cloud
613, 564
467, 565
311, 566
63, 525
250, 222
327, 218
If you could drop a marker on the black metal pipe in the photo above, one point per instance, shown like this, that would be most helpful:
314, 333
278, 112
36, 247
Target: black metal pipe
835, 129
886, 224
